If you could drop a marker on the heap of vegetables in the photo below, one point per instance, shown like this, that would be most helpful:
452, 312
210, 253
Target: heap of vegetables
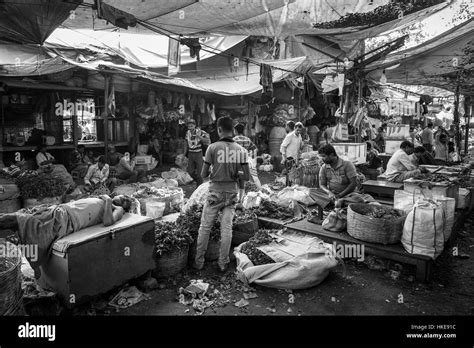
262, 237
383, 213
169, 237
190, 221
39, 186
272, 210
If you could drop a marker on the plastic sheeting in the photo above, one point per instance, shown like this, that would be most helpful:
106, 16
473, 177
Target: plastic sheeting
27, 21
431, 63
144, 50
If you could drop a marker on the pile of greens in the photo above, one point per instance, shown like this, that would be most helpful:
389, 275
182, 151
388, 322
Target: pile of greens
262, 237
190, 221
169, 238
272, 210
39, 186
243, 216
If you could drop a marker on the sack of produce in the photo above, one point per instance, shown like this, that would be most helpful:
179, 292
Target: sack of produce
336, 221
284, 260
405, 201
244, 226
423, 231
297, 193
199, 196
253, 199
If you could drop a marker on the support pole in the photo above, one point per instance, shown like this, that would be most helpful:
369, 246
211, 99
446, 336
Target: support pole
456, 119
468, 110
106, 114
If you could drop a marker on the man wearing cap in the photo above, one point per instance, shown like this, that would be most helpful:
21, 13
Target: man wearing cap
195, 138
292, 144
251, 149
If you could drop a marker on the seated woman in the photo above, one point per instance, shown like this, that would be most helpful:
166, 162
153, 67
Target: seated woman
423, 157
372, 158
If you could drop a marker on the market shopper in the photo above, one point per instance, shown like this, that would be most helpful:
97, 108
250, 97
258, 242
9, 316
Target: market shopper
337, 178
289, 127
195, 139
441, 148
225, 164
427, 137
380, 140
292, 144
400, 167
251, 149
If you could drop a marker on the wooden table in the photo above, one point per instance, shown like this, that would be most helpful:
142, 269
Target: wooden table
394, 252
381, 187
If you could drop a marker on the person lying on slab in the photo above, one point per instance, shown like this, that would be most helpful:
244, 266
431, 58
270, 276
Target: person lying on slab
41, 226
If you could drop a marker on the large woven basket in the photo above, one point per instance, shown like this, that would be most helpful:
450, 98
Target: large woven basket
244, 231
212, 252
170, 264
371, 229
11, 295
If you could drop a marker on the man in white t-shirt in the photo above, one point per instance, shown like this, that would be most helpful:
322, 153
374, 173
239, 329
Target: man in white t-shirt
292, 144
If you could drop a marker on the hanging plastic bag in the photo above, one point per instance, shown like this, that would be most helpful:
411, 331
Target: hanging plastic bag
340, 132
336, 221
423, 231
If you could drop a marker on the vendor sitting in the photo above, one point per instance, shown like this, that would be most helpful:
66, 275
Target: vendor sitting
124, 167
98, 176
80, 161
423, 157
400, 167
337, 177
46, 165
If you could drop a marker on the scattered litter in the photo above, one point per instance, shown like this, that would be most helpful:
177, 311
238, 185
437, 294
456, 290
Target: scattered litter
128, 297
242, 303
394, 275
375, 263
290, 310
250, 295
197, 287
272, 310
187, 310
333, 299
388, 301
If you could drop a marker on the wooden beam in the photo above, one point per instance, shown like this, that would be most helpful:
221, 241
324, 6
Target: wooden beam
106, 114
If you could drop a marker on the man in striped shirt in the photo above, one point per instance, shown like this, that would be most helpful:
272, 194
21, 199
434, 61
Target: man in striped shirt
195, 138
251, 148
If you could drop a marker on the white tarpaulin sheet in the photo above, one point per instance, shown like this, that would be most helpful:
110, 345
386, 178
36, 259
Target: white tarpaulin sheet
143, 50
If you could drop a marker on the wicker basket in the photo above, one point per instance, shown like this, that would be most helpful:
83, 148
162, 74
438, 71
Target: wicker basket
374, 230
11, 295
170, 264
212, 252
243, 232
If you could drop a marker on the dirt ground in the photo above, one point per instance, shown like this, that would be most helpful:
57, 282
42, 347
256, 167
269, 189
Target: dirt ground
355, 288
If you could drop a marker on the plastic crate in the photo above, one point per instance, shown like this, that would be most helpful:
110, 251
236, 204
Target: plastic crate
139, 160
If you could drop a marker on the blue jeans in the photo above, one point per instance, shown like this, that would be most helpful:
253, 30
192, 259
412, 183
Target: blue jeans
216, 202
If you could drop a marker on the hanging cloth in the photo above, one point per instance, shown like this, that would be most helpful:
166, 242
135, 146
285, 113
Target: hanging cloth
266, 78
175, 99
194, 46
193, 100
169, 98
211, 112
202, 105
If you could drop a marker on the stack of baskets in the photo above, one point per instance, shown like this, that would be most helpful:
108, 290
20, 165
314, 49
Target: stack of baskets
371, 229
11, 294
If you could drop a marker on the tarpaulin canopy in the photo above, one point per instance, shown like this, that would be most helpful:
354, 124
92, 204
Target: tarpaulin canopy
277, 18
32, 21
444, 61
28, 60
143, 50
